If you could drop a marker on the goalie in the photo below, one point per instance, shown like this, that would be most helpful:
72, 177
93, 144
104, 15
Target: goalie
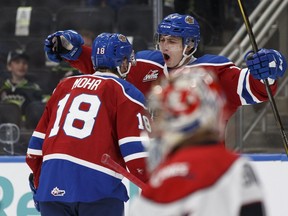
192, 172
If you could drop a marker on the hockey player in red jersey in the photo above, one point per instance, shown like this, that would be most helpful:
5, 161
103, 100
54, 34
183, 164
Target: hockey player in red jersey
192, 172
177, 39
88, 116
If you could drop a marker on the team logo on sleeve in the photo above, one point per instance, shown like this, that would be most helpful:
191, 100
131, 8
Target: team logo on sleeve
57, 192
151, 76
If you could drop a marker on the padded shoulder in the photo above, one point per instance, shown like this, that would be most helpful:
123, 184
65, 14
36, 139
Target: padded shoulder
130, 90
151, 55
212, 59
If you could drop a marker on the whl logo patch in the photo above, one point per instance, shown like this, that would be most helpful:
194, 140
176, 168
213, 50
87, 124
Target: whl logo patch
57, 192
152, 75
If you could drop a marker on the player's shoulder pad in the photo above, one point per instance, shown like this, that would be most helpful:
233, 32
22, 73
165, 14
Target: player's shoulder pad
212, 59
152, 55
130, 90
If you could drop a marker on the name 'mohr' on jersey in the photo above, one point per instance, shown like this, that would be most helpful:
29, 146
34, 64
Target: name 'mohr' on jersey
89, 83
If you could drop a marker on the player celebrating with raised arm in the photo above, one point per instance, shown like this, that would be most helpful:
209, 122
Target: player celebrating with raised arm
177, 39
88, 116
192, 172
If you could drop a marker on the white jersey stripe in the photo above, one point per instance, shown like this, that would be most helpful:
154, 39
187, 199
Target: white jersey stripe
123, 90
244, 77
240, 86
129, 139
82, 163
249, 89
150, 62
135, 156
34, 152
38, 134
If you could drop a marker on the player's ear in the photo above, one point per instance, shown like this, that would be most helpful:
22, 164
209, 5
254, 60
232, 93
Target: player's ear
190, 43
189, 48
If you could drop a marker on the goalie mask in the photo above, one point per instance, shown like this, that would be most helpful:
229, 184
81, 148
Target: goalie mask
110, 50
184, 107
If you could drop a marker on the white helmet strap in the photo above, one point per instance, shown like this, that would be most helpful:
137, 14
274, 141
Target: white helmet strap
185, 56
123, 75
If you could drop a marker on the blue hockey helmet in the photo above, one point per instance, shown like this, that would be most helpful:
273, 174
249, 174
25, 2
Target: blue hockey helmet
110, 50
184, 26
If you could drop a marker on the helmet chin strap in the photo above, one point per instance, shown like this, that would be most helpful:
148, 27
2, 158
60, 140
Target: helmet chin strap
185, 56
123, 75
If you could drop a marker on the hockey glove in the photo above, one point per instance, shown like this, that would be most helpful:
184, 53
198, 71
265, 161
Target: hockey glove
266, 63
34, 190
65, 44
70, 47
50, 45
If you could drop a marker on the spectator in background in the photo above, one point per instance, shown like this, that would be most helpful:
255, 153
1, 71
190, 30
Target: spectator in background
17, 88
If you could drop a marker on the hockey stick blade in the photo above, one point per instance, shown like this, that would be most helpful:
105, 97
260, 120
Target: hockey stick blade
106, 159
268, 89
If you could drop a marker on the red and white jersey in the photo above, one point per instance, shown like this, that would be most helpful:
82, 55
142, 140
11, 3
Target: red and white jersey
86, 117
201, 181
239, 86
148, 70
